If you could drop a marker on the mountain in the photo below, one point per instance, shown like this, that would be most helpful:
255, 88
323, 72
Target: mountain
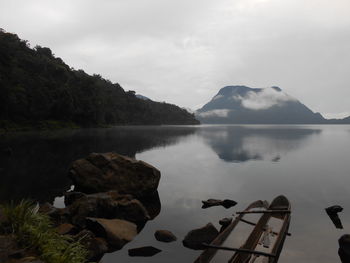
141, 97
37, 87
244, 105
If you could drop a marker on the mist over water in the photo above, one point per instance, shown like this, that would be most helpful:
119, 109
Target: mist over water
307, 164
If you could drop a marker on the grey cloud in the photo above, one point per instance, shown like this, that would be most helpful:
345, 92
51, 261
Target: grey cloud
184, 51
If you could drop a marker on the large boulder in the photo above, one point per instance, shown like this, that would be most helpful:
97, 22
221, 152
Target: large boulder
195, 238
101, 172
105, 205
117, 232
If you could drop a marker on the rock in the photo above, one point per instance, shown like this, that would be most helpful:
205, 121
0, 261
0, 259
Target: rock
332, 212
65, 229
95, 246
101, 172
107, 205
117, 232
31, 260
152, 204
147, 251
211, 202
48, 209
8, 245
164, 236
227, 203
58, 215
196, 237
71, 197
344, 248
225, 221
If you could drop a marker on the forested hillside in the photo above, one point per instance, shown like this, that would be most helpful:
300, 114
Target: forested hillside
36, 86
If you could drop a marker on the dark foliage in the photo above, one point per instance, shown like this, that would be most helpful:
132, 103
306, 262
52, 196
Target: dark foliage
36, 86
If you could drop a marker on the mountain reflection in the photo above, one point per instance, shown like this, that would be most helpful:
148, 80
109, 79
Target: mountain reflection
35, 165
242, 143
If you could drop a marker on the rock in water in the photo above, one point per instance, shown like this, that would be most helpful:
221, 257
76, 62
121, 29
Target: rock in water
164, 236
344, 248
225, 222
227, 203
147, 251
195, 238
101, 172
332, 212
117, 232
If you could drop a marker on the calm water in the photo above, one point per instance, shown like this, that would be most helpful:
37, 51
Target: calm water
308, 164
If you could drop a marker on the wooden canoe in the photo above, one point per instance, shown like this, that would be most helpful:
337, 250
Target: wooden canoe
279, 209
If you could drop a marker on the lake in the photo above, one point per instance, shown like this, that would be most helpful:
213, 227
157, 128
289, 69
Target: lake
309, 164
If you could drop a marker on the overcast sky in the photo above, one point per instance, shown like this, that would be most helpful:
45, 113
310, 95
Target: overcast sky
184, 51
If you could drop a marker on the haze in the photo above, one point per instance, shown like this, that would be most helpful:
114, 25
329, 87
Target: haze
183, 51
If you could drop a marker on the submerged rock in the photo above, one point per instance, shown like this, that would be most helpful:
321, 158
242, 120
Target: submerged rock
117, 232
101, 172
147, 251
332, 212
195, 238
344, 248
164, 236
227, 203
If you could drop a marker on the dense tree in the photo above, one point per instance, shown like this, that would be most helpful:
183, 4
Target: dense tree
37, 86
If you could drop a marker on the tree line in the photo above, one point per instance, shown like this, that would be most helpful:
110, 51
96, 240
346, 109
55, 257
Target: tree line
36, 86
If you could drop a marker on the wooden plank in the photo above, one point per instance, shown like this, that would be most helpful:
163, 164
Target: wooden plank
265, 212
241, 250
277, 248
207, 255
254, 224
252, 240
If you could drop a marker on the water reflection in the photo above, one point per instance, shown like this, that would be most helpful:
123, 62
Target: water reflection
313, 173
244, 143
37, 165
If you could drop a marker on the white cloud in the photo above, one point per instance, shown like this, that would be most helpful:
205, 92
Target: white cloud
264, 99
340, 115
223, 113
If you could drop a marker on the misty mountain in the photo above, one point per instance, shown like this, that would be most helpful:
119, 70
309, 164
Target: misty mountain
37, 88
244, 105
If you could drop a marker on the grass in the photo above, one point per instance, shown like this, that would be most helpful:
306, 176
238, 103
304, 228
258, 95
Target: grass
34, 231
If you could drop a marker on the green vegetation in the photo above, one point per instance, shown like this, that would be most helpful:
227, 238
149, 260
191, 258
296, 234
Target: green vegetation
34, 231
37, 87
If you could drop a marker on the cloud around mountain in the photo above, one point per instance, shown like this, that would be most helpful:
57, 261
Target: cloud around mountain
245, 105
264, 99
